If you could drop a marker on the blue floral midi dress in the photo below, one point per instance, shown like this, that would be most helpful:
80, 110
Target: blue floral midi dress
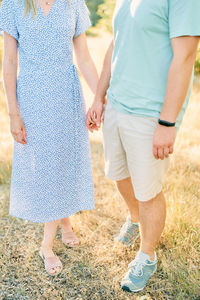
51, 175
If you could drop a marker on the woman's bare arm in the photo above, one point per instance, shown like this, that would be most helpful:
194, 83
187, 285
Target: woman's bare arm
85, 62
10, 63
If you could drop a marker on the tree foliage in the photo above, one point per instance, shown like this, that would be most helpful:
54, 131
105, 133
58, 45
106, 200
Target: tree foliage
105, 11
93, 6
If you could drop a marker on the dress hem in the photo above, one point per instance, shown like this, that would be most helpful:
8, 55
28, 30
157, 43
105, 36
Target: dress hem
65, 215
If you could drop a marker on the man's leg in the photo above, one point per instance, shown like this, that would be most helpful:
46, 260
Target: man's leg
126, 190
147, 175
152, 215
130, 230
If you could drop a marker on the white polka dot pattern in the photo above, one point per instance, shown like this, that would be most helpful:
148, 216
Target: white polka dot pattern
52, 175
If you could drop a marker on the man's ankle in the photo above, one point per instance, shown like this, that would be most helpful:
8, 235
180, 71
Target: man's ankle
151, 253
134, 219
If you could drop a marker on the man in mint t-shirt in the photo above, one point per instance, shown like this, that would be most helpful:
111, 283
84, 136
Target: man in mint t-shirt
147, 76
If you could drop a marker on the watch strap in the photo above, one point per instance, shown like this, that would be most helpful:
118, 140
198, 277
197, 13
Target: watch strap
166, 123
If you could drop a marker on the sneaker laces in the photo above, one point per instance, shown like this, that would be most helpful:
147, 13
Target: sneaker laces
136, 267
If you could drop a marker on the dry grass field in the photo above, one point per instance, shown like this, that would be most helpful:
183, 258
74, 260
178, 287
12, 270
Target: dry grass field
94, 270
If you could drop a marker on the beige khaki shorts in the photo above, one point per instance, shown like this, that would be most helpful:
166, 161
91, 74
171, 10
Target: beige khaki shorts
128, 146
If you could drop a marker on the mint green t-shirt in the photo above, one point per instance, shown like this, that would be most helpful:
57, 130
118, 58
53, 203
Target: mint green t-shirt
142, 55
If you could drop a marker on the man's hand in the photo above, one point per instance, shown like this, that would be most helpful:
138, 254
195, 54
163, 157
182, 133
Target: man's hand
163, 142
95, 116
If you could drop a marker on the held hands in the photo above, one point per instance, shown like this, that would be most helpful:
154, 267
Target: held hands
95, 116
163, 142
164, 137
17, 129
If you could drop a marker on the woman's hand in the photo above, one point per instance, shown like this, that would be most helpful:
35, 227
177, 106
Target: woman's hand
95, 116
17, 129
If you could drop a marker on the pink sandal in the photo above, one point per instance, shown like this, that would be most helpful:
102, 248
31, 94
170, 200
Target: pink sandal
69, 239
51, 263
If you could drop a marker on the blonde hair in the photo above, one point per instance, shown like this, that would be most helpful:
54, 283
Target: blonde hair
31, 5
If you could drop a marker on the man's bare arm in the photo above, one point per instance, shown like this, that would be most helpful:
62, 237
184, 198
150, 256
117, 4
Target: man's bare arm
104, 81
184, 50
94, 114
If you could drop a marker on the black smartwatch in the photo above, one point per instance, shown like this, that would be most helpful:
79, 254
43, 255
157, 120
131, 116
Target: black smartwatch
166, 123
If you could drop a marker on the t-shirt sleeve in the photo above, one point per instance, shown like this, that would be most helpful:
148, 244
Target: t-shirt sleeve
82, 17
184, 18
7, 19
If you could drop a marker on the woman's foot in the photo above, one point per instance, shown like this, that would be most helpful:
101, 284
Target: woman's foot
52, 263
70, 239
68, 236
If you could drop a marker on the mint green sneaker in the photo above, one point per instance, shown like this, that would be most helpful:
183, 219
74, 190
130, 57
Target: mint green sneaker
128, 233
140, 270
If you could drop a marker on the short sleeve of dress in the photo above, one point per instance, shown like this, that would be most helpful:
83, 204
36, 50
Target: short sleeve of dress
7, 19
184, 18
82, 17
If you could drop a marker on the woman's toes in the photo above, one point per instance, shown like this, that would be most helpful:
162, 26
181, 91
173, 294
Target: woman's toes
75, 243
55, 270
52, 271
